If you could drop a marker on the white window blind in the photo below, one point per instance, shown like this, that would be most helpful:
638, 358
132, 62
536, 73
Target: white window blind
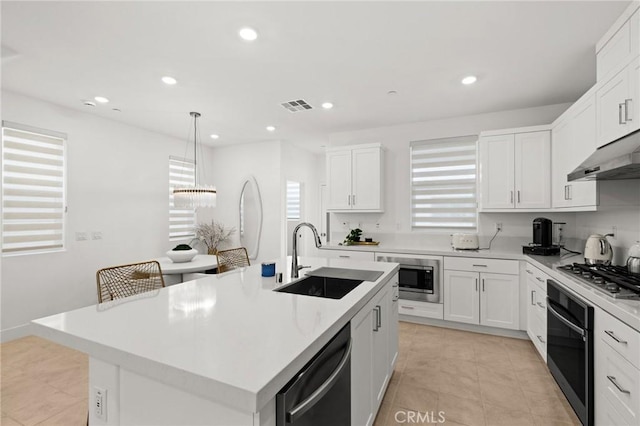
33, 189
182, 221
293, 200
443, 183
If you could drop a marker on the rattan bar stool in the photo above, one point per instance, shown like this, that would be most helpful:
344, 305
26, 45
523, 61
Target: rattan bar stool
232, 259
126, 280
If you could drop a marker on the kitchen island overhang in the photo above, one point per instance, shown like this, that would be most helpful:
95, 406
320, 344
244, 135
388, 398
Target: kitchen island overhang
229, 339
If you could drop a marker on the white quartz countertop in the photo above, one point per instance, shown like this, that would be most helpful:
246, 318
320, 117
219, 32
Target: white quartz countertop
227, 337
627, 311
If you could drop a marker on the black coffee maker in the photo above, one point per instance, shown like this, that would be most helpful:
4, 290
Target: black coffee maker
542, 237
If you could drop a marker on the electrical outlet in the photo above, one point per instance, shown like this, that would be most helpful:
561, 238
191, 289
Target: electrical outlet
96, 235
100, 403
498, 226
81, 236
377, 226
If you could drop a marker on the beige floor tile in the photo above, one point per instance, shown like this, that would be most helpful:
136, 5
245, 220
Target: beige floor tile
500, 416
383, 412
467, 369
549, 406
461, 410
404, 417
453, 384
534, 382
415, 398
5, 420
458, 351
423, 361
74, 415
498, 360
544, 421
507, 397
497, 376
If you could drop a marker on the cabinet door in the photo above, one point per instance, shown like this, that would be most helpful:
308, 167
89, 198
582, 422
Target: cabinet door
533, 170
339, 180
461, 296
380, 351
561, 162
583, 143
497, 172
532, 297
610, 101
366, 179
361, 368
393, 319
499, 301
633, 113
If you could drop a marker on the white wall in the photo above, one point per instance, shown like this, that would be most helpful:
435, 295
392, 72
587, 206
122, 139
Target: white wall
396, 139
117, 183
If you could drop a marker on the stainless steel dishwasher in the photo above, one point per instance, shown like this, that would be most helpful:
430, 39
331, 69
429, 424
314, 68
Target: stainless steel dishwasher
320, 394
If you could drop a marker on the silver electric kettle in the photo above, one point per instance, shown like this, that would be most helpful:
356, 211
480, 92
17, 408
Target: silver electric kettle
598, 251
633, 261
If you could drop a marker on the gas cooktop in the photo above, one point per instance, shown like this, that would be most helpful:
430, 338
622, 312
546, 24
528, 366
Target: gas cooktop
615, 281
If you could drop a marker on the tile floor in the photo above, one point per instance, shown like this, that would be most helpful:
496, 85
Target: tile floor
474, 379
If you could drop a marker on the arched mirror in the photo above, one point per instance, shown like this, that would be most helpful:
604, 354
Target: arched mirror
250, 217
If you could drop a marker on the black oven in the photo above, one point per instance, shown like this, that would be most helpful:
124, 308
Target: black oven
418, 278
570, 348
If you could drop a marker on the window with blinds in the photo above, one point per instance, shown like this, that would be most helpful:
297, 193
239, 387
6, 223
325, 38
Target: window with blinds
293, 200
182, 221
443, 183
33, 189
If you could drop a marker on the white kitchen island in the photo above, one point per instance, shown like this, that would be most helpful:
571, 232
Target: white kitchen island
216, 351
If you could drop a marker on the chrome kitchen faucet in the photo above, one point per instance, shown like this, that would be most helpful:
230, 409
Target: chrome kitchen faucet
294, 255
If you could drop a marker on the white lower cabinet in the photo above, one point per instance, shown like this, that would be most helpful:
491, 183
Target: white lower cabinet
617, 371
537, 309
482, 298
348, 254
374, 334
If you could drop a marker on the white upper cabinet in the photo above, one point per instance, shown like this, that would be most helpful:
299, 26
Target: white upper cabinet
620, 44
617, 95
573, 138
618, 105
354, 176
515, 170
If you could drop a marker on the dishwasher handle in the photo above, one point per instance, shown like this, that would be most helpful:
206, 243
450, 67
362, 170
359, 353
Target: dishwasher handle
317, 395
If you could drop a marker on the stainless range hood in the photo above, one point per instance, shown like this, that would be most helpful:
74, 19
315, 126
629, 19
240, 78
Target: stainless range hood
615, 161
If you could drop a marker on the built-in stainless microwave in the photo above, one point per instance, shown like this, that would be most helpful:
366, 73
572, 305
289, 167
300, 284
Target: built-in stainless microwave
418, 277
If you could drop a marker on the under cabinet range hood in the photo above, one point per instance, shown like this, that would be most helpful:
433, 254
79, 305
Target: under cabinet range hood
617, 160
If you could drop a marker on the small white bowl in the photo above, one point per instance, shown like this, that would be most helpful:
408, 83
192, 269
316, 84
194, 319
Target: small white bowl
182, 256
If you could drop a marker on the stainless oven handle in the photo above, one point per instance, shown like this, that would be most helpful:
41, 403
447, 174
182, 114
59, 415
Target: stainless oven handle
313, 399
565, 321
615, 383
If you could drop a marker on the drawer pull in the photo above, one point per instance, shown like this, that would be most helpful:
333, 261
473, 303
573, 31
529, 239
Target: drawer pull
614, 337
395, 285
529, 272
395, 299
480, 266
533, 296
540, 279
540, 338
615, 383
407, 307
541, 305
344, 256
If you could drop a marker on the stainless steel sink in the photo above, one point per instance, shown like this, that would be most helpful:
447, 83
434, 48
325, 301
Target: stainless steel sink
350, 274
327, 287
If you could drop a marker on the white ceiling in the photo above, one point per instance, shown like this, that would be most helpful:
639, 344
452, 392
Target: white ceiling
525, 54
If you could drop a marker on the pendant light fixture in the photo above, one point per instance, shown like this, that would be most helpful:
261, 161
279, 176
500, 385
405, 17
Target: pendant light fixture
197, 195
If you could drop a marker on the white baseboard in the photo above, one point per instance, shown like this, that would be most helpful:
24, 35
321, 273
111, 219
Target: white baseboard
517, 334
15, 333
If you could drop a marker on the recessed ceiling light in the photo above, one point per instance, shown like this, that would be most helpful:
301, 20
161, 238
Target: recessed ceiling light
469, 79
248, 34
327, 105
271, 128
214, 136
101, 99
392, 93
169, 80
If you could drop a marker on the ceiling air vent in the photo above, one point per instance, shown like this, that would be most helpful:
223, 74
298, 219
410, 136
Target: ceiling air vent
296, 106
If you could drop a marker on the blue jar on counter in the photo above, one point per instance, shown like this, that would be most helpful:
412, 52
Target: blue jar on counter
268, 269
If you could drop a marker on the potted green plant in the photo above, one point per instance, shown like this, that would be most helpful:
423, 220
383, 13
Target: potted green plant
353, 236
